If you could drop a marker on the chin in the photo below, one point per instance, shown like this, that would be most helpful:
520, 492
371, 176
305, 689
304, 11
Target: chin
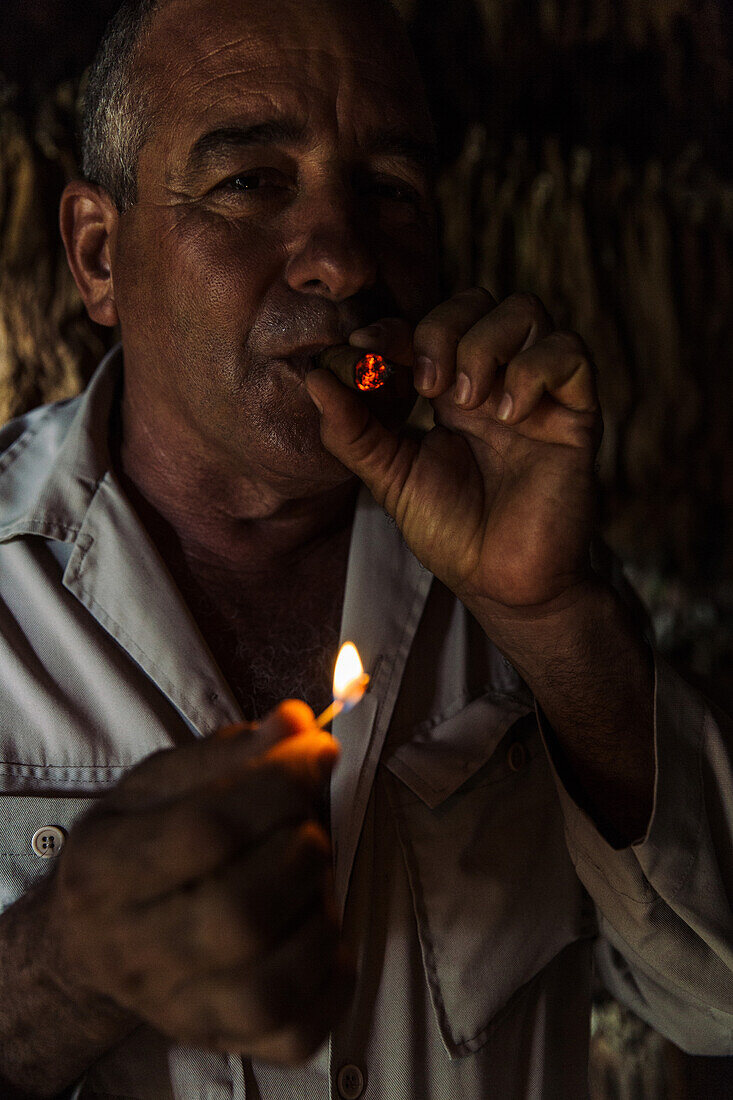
293, 452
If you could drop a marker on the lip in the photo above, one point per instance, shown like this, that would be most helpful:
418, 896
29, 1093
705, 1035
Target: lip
301, 359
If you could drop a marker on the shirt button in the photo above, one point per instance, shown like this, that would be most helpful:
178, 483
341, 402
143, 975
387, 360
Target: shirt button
350, 1082
516, 756
48, 841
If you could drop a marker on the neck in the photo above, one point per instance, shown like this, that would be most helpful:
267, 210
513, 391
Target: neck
248, 523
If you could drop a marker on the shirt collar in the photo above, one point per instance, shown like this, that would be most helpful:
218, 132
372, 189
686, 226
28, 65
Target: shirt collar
50, 473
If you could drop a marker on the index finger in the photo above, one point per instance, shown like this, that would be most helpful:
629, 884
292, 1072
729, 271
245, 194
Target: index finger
225, 756
514, 325
438, 335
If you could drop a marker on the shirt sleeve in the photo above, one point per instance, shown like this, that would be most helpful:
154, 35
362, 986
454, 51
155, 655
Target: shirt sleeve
665, 902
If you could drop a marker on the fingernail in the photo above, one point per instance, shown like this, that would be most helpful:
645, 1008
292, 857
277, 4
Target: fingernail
365, 336
425, 373
463, 389
505, 407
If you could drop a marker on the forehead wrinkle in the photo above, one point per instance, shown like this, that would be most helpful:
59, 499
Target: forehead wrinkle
251, 44
261, 38
336, 81
216, 77
216, 50
353, 43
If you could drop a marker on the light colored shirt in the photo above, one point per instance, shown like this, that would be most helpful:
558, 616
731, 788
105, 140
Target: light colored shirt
476, 894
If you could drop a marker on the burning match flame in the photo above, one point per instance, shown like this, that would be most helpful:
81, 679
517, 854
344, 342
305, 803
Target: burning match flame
349, 683
348, 670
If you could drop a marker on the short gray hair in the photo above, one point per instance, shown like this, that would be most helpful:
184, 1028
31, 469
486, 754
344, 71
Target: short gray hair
116, 117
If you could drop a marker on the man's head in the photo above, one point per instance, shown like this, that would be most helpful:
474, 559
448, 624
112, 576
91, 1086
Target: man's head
258, 186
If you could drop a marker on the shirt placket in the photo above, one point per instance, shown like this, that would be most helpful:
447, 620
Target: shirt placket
382, 624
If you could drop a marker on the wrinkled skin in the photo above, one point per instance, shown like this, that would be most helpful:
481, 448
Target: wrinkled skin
498, 501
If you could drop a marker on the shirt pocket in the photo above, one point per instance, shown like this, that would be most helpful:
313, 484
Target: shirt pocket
24, 817
495, 894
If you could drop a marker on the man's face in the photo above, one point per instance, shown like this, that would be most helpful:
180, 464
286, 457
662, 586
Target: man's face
282, 203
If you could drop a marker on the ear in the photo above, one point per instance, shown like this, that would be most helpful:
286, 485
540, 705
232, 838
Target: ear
88, 221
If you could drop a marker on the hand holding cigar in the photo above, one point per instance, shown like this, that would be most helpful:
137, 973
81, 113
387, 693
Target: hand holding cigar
384, 385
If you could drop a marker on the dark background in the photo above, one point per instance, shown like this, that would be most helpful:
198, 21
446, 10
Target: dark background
587, 155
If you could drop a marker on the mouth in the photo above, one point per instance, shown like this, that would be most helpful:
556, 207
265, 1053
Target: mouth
302, 360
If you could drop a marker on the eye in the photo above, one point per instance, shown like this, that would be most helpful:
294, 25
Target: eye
396, 191
259, 182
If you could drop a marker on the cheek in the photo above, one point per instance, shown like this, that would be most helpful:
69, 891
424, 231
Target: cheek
219, 272
197, 278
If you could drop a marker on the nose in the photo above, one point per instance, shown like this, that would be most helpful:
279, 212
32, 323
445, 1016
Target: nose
331, 256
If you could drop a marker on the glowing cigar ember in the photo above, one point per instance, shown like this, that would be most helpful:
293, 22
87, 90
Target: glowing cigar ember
357, 369
372, 371
349, 684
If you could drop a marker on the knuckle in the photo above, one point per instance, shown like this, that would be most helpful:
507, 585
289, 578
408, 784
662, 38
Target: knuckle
583, 364
476, 292
528, 303
311, 844
300, 1044
521, 373
431, 331
572, 343
473, 352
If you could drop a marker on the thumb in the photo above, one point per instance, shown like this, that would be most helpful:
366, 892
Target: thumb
353, 435
290, 717
289, 735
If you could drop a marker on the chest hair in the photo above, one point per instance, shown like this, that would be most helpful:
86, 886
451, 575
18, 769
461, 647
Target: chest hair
274, 641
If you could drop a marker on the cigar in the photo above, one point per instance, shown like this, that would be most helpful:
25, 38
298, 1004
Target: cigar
356, 368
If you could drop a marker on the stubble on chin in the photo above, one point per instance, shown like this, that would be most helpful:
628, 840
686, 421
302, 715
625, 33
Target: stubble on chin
278, 431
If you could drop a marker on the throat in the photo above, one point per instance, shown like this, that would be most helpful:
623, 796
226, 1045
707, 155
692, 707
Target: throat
276, 639
275, 652
272, 623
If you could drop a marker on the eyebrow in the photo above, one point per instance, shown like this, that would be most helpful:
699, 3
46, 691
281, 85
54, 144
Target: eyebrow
216, 146
404, 146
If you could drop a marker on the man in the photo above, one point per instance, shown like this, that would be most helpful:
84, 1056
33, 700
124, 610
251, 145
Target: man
181, 548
